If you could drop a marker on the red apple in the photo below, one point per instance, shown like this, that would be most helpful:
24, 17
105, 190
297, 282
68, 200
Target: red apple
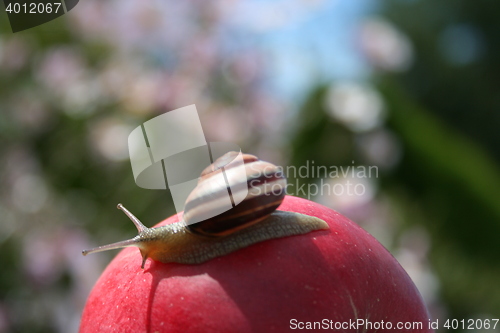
341, 278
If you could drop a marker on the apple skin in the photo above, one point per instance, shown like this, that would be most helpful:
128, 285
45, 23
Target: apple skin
339, 274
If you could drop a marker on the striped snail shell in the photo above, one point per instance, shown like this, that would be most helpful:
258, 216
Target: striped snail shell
264, 182
233, 206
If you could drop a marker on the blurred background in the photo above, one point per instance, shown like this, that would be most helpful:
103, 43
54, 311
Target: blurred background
408, 86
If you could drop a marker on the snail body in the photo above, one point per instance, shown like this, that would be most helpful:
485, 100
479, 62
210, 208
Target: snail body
198, 239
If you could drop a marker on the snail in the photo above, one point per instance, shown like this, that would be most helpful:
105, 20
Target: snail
198, 239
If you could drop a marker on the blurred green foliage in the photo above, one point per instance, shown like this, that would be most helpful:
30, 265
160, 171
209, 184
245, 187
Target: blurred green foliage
457, 185
452, 146
456, 69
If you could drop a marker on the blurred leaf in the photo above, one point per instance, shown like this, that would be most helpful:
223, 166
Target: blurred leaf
458, 187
